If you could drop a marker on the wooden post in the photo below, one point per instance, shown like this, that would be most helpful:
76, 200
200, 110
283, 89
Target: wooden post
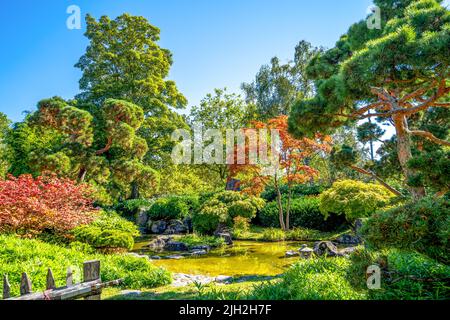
91, 272
69, 277
6, 287
25, 284
50, 280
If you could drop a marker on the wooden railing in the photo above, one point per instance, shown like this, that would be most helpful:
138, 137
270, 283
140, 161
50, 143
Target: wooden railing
89, 289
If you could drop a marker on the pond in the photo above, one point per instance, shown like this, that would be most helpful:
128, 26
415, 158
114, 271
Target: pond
243, 258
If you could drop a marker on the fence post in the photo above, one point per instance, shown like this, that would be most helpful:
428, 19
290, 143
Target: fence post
69, 277
91, 272
25, 284
50, 280
6, 287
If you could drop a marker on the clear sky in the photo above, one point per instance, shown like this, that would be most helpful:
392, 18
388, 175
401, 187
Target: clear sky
215, 43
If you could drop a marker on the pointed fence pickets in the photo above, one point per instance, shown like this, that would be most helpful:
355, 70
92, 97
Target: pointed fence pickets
89, 289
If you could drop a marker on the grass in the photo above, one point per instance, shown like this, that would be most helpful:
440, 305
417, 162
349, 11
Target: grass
257, 233
35, 257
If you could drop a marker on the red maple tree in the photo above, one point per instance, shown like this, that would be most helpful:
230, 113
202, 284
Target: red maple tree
31, 205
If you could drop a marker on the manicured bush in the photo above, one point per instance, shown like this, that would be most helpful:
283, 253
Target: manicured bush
241, 226
110, 231
304, 213
35, 257
354, 199
422, 225
129, 208
177, 207
34, 205
270, 194
222, 208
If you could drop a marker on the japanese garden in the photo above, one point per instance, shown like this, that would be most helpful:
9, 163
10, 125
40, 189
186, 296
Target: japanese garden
356, 205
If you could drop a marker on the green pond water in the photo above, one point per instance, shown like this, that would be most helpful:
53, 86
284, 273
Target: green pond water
244, 258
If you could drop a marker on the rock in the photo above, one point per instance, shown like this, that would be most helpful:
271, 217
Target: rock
290, 254
142, 218
176, 246
176, 227
223, 279
188, 224
175, 257
226, 237
158, 227
348, 238
358, 226
130, 292
137, 255
326, 248
347, 251
157, 244
306, 252
199, 252
155, 257
202, 247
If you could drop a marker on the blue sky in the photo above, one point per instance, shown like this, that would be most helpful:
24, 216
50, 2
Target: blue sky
215, 43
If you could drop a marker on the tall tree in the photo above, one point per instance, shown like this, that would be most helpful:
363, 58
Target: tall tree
396, 73
4, 151
278, 85
124, 61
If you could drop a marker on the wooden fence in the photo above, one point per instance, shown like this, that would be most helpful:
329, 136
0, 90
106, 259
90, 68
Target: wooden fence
89, 289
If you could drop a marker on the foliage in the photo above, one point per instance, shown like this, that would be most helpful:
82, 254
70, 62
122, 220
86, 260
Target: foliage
33, 205
273, 234
397, 73
192, 240
175, 207
270, 193
109, 231
422, 226
35, 257
241, 226
131, 207
223, 207
124, 61
304, 213
354, 199
4, 150
277, 86
312, 279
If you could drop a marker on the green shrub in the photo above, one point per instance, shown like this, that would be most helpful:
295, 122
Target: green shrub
222, 208
304, 213
129, 208
110, 231
270, 194
192, 240
406, 275
176, 207
210, 216
313, 279
423, 226
354, 199
273, 234
35, 257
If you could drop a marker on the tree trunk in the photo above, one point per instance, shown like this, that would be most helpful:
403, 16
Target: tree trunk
280, 205
288, 210
134, 190
381, 181
82, 175
404, 151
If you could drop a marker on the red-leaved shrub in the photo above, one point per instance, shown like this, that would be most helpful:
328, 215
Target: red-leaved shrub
32, 205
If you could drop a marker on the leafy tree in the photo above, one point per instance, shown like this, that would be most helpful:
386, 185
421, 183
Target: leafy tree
4, 151
123, 61
291, 166
99, 146
394, 74
33, 205
278, 85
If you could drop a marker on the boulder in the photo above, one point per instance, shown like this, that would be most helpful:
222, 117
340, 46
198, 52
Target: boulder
223, 279
202, 247
348, 238
142, 219
305, 252
158, 244
155, 257
188, 224
158, 227
175, 257
326, 248
176, 227
226, 237
290, 254
347, 251
199, 252
176, 246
